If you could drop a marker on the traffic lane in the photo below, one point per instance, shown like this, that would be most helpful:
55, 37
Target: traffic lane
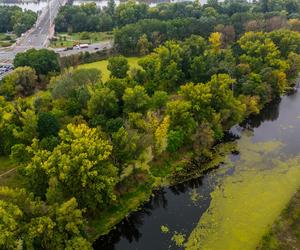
91, 48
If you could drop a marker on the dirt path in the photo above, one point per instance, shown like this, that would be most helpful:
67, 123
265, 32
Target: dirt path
7, 172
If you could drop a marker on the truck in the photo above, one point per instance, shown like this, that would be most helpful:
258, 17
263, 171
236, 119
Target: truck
83, 46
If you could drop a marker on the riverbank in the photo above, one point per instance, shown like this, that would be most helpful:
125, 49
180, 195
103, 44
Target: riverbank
285, 232
163, 175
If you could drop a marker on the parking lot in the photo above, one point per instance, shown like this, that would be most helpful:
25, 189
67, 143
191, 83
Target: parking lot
5, 69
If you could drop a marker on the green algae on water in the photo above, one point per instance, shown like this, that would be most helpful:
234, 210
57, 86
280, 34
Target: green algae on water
164, 229
249, 200
194, 195
179, 239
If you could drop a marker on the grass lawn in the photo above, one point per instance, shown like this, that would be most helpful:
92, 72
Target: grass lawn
12, 179
66, 40
102, 65
7, 39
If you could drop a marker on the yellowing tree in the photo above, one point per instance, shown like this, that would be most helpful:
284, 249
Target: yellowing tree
161, 135
215, 40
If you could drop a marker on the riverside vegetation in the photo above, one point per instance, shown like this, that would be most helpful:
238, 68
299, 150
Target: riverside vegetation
91, 150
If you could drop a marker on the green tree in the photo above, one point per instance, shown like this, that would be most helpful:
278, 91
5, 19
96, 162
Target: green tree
47, 125
103, 102
118, 66
87, 174
181, 116
30, 223
136, 100
21, 82
143, 45
159, 99
43, 61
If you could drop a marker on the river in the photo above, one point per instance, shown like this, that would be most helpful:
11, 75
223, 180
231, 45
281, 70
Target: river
232, 206
37, 6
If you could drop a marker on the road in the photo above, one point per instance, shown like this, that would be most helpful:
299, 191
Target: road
38, 36
92, 48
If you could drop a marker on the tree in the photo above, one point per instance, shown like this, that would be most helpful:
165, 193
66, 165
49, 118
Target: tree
111, 7
135, 99
118, 66
260, 51
71, 89
231, 110
161, 135
47, 125
126, 147
143, 45
78, 167
27, 129
294, 24
181, 116
199, 97
43, 61
103, 102
118, 86
159, 99
28, 222
175, 140
215, 41
198, 69
21, 82
19, 153
13, 18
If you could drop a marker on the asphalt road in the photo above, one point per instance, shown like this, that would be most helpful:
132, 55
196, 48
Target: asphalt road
92, 48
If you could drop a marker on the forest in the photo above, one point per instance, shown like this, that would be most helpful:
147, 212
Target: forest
90, 151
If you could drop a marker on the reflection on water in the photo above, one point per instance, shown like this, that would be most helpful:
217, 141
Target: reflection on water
269, 113
173, 206
39, 5
164, 204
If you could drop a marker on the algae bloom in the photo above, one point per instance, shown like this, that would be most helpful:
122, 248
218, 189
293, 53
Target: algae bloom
245, 203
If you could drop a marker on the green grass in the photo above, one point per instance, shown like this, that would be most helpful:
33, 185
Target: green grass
66, 40
102, 65
12, 179
5, 164
7, 39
